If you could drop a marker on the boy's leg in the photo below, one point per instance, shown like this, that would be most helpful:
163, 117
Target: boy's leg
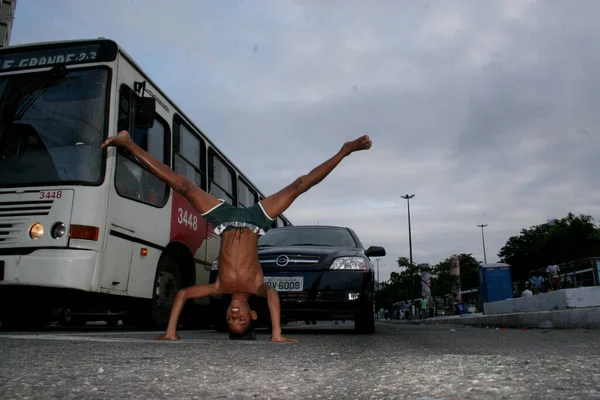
277, 203
200, 200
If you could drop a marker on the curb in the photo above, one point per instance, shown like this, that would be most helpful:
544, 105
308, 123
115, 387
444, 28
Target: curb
580, 318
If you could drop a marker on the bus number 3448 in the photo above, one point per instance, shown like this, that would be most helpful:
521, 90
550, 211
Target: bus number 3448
188, 219
51, 195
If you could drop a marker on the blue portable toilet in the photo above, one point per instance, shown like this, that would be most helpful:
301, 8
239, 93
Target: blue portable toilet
495, 283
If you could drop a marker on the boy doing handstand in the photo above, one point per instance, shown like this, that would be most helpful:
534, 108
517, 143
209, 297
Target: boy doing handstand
240, 273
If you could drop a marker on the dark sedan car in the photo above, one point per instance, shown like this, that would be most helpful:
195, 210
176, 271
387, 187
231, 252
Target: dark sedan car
320, 272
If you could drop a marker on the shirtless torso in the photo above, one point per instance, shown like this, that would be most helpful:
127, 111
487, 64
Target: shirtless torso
239, 268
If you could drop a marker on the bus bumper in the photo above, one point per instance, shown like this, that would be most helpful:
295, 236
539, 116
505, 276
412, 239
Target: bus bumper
57, 268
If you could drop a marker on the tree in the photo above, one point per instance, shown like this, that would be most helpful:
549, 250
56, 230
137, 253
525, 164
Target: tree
469, 271
567, 239
403, 285
390, 291
411, 276
443, 282
407, 284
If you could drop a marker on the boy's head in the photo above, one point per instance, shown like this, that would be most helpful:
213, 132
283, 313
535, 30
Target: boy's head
240, 320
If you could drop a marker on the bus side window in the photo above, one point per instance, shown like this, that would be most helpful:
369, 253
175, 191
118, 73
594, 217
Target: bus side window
131, 180
246, 195
123, 120
221, 179
189, 154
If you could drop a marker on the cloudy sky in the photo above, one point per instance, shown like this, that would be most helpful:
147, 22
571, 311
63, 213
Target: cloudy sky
488, 111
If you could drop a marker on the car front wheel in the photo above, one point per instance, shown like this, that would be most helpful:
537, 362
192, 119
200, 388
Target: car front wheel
364, 321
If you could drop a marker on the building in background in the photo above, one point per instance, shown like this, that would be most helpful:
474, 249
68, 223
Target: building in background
455, 271
7, 16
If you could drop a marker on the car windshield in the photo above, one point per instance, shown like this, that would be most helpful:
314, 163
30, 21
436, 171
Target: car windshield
337, 237
51, 127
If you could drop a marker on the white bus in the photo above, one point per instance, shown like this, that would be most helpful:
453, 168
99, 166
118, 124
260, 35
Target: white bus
87, 229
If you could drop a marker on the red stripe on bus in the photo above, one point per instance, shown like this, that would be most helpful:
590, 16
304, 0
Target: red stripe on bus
187, 225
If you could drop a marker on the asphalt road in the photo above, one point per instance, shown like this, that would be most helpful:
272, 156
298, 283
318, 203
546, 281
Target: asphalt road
328, 362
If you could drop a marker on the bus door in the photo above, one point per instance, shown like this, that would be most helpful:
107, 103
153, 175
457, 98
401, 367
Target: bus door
138, 219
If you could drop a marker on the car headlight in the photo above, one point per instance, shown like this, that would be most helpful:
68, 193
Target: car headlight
349, 263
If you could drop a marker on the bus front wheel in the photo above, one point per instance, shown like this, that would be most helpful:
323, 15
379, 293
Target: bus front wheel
154, 313
167, 284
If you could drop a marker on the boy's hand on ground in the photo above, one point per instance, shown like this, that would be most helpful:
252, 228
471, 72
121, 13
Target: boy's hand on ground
167, 337
281, 339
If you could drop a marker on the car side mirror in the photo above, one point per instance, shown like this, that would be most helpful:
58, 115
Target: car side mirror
145, 113
375, 251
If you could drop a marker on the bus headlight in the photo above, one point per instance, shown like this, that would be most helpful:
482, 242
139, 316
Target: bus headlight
36, 231
58, 230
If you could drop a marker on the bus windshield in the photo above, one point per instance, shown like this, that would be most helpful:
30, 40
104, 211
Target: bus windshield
51, 127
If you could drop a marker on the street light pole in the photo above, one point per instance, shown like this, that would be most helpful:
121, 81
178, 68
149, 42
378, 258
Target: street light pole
483, 241
377, 259
407, 197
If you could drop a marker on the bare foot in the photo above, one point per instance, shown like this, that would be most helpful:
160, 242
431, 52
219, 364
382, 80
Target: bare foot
362, 143
167, 337
121, 140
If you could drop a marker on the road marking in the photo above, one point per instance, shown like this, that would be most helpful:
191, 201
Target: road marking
124, 340
118, 333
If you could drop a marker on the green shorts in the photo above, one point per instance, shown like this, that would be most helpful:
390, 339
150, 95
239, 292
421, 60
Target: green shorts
225, 216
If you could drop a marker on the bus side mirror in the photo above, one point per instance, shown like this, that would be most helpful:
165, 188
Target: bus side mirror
145, 113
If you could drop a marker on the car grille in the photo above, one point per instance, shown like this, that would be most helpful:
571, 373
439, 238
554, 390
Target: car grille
13, 217
301, 297
294, 296
271, 260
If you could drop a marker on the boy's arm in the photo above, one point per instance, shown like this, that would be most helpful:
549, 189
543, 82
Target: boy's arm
193, 292
198, 198
265, 290
155, 167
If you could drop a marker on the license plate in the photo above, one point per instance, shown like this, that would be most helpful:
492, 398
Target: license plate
285, 283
